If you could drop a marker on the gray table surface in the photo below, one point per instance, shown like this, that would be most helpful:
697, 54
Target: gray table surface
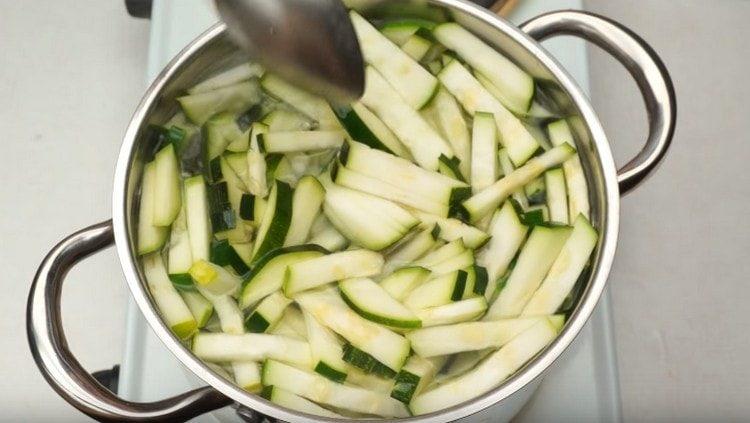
71, 73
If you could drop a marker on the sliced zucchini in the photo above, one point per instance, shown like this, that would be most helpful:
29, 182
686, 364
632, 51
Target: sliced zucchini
446, 252
237, 162
231, 76
331, 311
453, 126
150, 236
334, 267
472, 336
276, 220
213, 278
411, 249
507, 234
282, 120
534, 261
489, 373
365, 127
292, 324
295, 402
484, 169
199, 306
459, 311
450, 168
403, 281
506, 165
329, 238
366, 362
458, 262
565, 270
416, 374
412, 82
557, 198
224, 347
476, 281
399, 31
220, 131
366, 220
515, 85
172, 307
247, 375
474, 98
256, 163
314, 107
326, 350
575, 178
229, 315
462, 363
179, 256
439, 291
297, 141
423, 142
401, 194
372, 302
267, 274
397, 172
484, 202
268, 312
221, 214
535, 110
306, 204
416, 47
321, 390
235, 98
225, 254
199, 227
369, 381
167, 187
536, 191
453, 229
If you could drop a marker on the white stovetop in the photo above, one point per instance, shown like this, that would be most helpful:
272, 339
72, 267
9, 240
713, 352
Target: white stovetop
581, 386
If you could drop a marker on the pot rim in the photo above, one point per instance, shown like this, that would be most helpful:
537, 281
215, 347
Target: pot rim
532, 370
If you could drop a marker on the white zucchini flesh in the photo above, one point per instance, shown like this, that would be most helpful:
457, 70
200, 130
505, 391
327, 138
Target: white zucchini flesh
446, 252
295, 402
423, 142
453, 229
306, 205
150, 236
292, 324
534, 261
201, 106
459, 311
484, 202
230, 317
398, 172
268, 312
412, 82
416, 374
297, 141
371, 301
416, 47
267, 276
400, 194
506, 166
469, 336
438, 291
380, 130
461, 261
565, 270
256, 163
326, 349
283, 120
401, 282
453, 126
321, 390
489, 373
214, 279
366, 220
314, 107
167, 189
224, 347
331, 311
334, 267
474, 98
199, 306
173, 309
230, 76
247, 375
369, 381
507, 235
484, 169
237, 163
557, 196
516, 85
199, 228
575, 178
179, 256
329, 238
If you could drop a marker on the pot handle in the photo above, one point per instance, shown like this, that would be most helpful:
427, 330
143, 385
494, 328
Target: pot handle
61, 369
643, 64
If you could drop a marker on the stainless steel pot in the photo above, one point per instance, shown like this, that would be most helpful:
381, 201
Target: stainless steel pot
212, 51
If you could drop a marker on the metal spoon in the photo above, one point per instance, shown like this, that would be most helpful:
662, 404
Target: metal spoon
310, 42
